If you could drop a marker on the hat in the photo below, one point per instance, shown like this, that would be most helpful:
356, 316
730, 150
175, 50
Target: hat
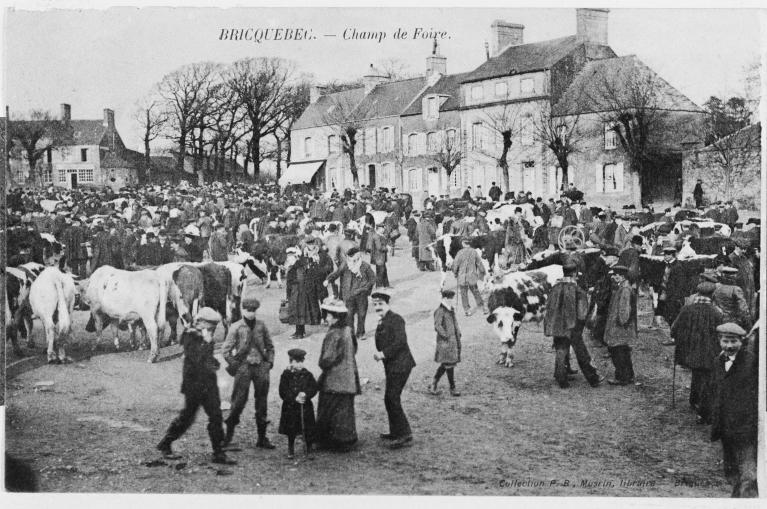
381, 295
249, 298
150, 235
334, 306
207, 314
569, 266
637, 239
731, 328
448, 294
709, 276
669, 250
162, 232
741, 242
706, 288
620, 269
297, 354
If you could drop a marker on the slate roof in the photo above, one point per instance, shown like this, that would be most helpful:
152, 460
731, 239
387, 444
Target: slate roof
584, 93
449, 85
525, 58
315, 114
390, 99
87, 132
127, 159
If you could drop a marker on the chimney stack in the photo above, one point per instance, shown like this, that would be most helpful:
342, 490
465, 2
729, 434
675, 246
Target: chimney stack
505, 34
315, 92
109, 118
436, 64
66, 112
591, 25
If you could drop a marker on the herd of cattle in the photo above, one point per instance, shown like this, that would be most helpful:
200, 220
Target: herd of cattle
147, 299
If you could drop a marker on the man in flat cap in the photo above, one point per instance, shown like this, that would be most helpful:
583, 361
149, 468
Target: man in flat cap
697, 344
249, 352
621, 327
199, 386
735, 410
393, 350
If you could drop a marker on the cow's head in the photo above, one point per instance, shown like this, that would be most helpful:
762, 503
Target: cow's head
506, 322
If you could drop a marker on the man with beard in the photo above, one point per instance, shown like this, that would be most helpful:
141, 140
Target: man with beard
357, 281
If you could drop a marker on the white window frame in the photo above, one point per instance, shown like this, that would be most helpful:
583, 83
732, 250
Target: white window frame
527, 86
62, 176
370, 141
432, 107
611, 137
477, 135
414, 180
451, 138
85, 175
477, 93
501, 89
308, 146
332, 144
431, 142
412, 144
526, 132
388, 139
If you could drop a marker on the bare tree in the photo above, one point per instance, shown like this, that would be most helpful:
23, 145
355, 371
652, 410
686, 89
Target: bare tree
631, 101
503, 123
395, 68
752, 78
448, 152
560, 135
36, 135
735, 162
152, 116
292, 106
186, 92
261, 85
345, 116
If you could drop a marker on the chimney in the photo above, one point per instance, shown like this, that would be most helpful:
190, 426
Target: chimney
373, 78
109, 118
66, 112
436, 64
315, 92
591, 25
505, 34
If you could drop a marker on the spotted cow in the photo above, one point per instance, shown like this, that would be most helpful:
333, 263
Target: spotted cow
518, 297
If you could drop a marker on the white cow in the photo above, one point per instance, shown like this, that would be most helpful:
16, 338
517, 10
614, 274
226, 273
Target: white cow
505, 211
53, 292
126, 296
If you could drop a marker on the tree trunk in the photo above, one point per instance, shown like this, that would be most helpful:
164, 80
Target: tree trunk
147, 173
255, 148
279, 156
503, 162
32, 170
353, 169
564, 165
247, 161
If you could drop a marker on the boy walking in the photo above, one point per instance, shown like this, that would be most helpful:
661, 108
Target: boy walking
448, 352
297, 388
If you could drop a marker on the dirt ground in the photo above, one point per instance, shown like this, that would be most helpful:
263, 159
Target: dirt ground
513, 431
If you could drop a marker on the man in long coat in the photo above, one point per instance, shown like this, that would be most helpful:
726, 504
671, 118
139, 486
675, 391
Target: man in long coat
729, 297
697, 346
426, 231
621, 327
745, 268
357, 281
468, 270
566, 309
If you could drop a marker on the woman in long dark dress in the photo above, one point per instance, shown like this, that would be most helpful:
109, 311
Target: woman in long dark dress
339, 383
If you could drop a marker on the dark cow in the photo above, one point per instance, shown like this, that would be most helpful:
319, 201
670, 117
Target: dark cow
25, 245
277, 244
186, 296
217, 290
651, 269
595, 268
518, 297
445, 248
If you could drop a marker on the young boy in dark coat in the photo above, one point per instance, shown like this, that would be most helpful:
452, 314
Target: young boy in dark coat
297, 388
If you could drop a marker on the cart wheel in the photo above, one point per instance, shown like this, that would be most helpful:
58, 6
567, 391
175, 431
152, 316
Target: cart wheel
571, 234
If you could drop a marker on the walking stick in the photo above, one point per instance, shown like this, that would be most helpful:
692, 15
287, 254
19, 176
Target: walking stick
303, 431
673, 386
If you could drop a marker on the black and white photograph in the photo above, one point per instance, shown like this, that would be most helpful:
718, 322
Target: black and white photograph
479, 251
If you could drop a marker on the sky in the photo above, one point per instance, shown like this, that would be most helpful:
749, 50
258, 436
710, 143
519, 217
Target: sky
96, 59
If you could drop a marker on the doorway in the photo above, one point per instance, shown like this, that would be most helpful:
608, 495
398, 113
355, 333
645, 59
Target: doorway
433, 182
73, 180
371, 176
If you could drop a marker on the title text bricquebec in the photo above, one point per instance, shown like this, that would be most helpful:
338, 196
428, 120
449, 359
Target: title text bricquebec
259, 35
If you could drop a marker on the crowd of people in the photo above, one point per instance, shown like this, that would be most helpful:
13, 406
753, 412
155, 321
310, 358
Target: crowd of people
332, 275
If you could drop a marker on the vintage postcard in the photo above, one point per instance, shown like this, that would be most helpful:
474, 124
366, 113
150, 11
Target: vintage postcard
384, 250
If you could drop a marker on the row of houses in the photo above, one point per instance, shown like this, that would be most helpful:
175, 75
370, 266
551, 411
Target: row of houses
406, 128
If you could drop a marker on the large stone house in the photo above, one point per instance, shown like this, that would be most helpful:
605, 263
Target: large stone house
89, 153
404, 126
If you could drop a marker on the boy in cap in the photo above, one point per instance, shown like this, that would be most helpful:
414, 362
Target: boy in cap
729, 297
448, 352
297, 388
735, 410
249, 352
199, 386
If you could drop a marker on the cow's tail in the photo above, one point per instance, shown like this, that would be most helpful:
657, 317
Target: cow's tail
162, 303
64, 320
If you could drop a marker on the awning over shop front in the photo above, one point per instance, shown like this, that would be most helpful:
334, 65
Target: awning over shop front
300, 173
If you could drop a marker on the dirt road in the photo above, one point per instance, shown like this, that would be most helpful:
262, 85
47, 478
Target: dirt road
512, 432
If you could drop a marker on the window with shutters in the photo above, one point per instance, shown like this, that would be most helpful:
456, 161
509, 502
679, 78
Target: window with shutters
332, 144
477, 136
527, 85
387, 175
611, 137
431, 142
412, 144
451, 140
432, 107
388, 140
307, 147
370, 141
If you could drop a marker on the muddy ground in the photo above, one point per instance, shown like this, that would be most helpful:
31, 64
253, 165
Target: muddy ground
513, 431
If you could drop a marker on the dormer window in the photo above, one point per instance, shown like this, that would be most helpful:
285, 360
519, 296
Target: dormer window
432, 107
